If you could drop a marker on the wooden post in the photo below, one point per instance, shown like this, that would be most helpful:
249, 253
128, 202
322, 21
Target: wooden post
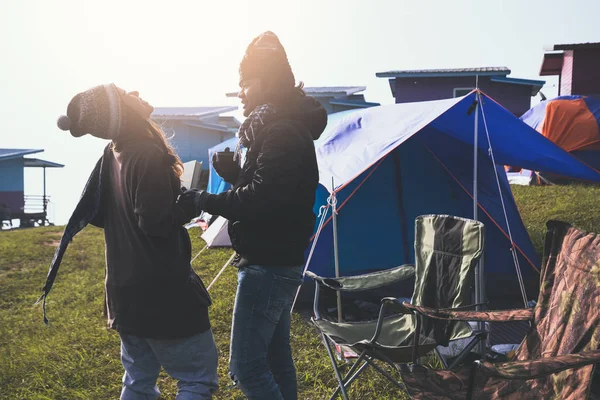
45, 200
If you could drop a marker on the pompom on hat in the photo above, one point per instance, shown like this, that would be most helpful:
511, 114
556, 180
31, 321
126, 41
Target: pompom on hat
265, 58
97, 111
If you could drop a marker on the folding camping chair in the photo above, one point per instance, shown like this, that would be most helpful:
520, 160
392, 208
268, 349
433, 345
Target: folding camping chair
555, 360
447, 250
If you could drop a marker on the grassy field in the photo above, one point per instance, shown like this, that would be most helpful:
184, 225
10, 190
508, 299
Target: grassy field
76, 357
578, 205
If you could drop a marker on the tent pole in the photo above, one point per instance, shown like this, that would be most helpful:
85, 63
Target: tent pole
221, 271
479, 276
475, 148
204, 248
335, 248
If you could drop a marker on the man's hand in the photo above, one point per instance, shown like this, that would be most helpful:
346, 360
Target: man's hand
191, 202
225, 166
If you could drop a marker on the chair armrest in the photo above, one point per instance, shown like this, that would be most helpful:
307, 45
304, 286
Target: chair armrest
368, 281
388, 303
539, 368
399, 307
395, 305
525, 314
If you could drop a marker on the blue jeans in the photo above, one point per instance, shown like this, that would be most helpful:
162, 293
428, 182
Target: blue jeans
192, 361
261, 361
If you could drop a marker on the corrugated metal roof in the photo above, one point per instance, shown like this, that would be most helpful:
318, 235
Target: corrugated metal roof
190, 112
347, 90
354, 103
571, 46
324, 90
444, 72
37, 163
6, 154
552, 64
536, 85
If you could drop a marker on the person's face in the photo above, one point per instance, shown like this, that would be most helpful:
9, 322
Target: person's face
136, 103
252, 94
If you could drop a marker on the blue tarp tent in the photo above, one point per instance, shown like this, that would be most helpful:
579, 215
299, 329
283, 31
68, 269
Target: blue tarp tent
390, 164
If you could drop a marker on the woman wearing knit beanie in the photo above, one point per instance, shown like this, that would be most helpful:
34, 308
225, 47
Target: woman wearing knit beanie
154, 299
270, 215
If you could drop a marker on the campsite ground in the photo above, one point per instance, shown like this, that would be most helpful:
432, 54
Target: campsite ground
76, 357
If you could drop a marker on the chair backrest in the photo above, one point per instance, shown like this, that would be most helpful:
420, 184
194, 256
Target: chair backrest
567, 315
447, 250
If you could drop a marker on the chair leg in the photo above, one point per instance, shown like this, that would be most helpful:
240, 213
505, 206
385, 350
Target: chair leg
335, 367
442, 359
348, 382
384, 373
472, 381
367, 361
476, 340
385, 358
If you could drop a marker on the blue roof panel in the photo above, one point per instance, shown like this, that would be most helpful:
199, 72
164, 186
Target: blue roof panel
6, 154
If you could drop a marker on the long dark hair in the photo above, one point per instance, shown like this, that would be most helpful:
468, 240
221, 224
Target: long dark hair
137, 129
171, 156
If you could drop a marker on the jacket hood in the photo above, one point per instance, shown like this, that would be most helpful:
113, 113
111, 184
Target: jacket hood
309, 112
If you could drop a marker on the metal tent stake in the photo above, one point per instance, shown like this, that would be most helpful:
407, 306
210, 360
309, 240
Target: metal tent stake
336, 259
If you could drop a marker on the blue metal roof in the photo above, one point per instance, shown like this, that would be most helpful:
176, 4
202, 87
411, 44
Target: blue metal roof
518, 81
436, 73
190, 112
353, 103
214, 127
333, 90
323, 91
6, 154
38, 163
535, 84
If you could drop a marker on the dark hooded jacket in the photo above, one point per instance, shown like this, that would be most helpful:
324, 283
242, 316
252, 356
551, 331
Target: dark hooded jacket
270, 207
151, 289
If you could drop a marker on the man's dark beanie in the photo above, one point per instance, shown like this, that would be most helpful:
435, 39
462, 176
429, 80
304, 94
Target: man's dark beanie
266, 59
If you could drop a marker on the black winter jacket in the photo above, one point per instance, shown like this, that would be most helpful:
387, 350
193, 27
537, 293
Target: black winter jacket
151, 289
270, 207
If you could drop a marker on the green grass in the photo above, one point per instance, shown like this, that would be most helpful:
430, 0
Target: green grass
576, 204
76, 357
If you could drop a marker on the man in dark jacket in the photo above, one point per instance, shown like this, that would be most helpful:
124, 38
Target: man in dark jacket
270, 215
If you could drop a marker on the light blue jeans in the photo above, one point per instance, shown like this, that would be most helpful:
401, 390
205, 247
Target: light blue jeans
261, 357
192, 361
